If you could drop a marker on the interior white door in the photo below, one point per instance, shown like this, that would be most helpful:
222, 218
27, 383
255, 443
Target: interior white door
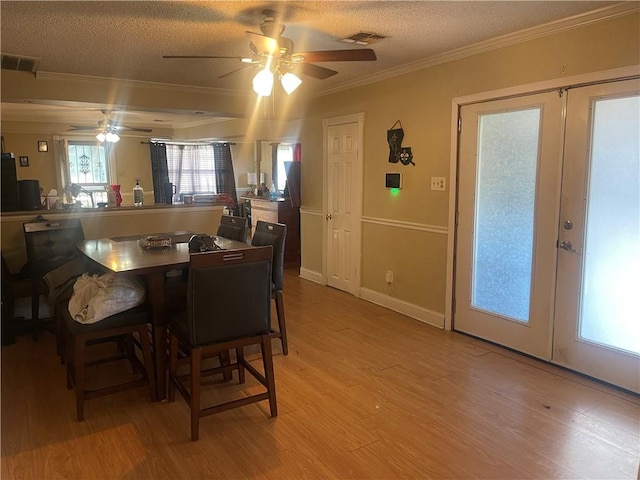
508, 190
597, 315
342, 213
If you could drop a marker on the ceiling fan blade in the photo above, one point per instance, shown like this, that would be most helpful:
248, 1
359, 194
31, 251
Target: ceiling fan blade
199, 56
131, 129
315, 71
359, 55
264, 45
236, 70
81, 127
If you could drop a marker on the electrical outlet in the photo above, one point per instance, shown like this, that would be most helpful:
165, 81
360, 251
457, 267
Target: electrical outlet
389, 276
438, 183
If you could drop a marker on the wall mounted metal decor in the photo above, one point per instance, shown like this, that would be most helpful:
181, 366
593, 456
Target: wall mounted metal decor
398, 153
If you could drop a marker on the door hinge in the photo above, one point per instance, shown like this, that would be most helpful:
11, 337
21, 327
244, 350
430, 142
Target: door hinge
457, 217
459, 124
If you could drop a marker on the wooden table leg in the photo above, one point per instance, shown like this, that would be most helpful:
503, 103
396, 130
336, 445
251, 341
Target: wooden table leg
156, 294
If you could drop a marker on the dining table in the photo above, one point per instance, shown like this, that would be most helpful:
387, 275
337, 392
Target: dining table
126, 255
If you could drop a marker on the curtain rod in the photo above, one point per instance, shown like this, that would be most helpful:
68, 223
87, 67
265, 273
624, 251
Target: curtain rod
192, 143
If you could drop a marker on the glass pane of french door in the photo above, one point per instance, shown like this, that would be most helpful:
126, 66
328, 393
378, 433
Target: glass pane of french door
609, 309
509, 177
597, 319
508, 148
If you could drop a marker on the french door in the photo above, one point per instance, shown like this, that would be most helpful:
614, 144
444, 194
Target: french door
597, 313
548, 238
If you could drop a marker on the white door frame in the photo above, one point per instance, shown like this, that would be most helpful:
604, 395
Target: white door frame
456, 103
357, 187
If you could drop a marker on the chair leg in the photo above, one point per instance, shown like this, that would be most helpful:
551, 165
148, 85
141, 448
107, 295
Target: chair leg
69, 344
60, 333
282, 324
145, 343
35, 315
239, 360
196, 357
267, 362
78, 375
225, 359
173, 367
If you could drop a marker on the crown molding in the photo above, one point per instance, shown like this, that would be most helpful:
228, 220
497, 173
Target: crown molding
107, 81
551, 28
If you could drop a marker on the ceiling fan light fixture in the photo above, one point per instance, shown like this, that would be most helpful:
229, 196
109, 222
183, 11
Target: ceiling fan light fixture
112, 137
101, 137
290, 82
263, 83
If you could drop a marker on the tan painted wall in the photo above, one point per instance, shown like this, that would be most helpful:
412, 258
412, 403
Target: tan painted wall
422, 101
41, 164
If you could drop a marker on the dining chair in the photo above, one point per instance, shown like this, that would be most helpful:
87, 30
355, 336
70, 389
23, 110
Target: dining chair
60, 282
50, 244
119, 328
220, 317
233, 228
275, 234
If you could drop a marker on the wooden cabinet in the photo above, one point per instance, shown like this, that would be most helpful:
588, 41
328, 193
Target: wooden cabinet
280, 211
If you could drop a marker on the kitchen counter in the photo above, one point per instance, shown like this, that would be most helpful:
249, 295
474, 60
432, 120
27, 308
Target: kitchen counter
110, 222
81, 211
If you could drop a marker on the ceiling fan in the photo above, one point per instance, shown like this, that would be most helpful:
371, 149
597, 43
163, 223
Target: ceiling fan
274, 54
107, 129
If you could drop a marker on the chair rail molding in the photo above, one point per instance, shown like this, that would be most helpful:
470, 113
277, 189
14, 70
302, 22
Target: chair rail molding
423, 227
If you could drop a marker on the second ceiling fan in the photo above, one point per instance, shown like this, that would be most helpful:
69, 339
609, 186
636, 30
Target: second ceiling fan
273, 54
107, 129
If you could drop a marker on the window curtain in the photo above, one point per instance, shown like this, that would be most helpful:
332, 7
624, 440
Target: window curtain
274, 165
159, 170
61, 156
296, 152
225, 178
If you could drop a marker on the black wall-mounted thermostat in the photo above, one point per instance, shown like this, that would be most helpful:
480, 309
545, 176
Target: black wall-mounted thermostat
393, 180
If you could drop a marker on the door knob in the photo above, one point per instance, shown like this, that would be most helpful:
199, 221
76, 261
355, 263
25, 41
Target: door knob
329, 217
566, 245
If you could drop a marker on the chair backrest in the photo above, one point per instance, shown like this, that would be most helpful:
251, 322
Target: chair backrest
228, 295
51, 244
233, 228
273, 234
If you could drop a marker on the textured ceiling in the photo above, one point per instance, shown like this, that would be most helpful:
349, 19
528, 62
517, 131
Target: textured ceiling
127, 39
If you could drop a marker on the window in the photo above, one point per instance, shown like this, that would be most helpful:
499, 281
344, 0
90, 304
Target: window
285, 154
88, 166
192, 168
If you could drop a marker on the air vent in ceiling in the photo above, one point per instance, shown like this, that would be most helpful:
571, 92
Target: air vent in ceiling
22, 64
363, 38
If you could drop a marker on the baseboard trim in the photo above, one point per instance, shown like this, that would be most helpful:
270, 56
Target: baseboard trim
312, 276
422, 314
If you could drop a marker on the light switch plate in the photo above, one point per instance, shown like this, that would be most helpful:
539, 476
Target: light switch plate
438, 183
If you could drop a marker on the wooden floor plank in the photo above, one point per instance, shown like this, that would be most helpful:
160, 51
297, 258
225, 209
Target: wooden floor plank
365, 393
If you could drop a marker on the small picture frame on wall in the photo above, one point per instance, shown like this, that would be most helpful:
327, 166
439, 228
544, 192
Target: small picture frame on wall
42, 146
24, 161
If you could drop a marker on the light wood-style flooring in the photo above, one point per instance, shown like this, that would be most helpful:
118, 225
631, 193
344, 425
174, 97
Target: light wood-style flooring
365, 393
